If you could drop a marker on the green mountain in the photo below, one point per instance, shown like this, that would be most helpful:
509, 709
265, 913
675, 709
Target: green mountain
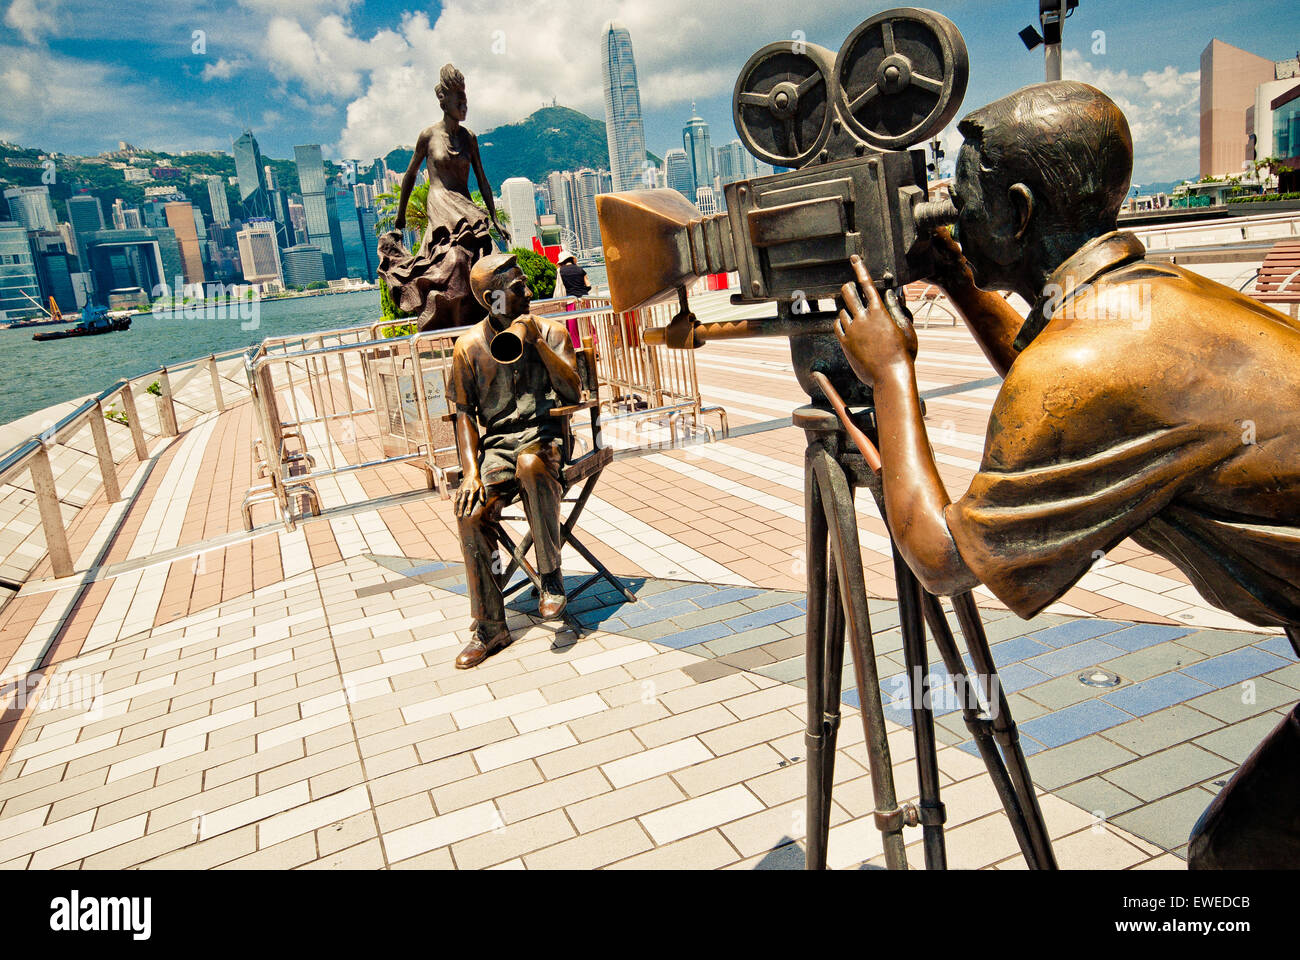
551, 139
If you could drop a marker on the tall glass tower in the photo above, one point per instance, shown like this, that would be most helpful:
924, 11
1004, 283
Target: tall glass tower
695, 141
253, 193
321, 209
677, 173
623, 127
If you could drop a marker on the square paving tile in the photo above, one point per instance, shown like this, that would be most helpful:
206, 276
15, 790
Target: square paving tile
1073, 722
1148, 696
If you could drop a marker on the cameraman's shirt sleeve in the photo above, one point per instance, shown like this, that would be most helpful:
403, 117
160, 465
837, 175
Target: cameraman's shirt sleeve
1069, 470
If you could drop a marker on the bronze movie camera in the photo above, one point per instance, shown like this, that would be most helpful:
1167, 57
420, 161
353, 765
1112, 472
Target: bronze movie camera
846, 122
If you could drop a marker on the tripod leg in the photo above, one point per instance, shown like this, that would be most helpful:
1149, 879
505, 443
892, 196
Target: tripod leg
1004, 727
842, 528
980, 727
833, 673
814, 671
927, 758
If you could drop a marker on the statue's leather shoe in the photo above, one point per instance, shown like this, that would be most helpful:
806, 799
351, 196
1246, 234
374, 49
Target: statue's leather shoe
552, 601
478, 650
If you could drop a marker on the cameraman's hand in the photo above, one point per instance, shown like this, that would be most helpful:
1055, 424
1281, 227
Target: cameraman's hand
948, 266
876, 339
469, 496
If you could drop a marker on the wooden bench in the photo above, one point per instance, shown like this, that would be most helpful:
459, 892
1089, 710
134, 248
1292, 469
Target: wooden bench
1278, 279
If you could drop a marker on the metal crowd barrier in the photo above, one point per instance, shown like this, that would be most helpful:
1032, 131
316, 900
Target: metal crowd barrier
640, 382
345, 401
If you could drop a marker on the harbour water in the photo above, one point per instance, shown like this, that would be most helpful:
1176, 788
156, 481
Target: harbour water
37, 375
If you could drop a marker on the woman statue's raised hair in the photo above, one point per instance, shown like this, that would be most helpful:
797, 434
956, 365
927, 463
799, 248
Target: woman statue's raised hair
450, 80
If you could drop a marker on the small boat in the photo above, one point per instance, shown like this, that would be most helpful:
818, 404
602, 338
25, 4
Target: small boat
94, 321
53, 316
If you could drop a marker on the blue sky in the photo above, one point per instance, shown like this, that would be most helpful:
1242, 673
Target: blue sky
79, 75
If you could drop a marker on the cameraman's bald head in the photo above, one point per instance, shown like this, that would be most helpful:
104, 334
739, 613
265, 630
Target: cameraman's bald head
1048, 165
1066, 141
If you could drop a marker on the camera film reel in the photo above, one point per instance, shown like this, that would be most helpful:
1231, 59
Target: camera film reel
898, 79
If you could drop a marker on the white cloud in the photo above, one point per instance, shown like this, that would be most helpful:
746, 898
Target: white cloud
329, 60
1163, 111
518, 54
224, 69
54, 100
31, 18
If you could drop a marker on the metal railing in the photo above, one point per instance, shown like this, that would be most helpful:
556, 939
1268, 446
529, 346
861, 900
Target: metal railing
641, 382
165, 384
359, 402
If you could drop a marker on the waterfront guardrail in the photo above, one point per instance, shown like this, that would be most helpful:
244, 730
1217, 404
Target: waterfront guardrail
153, 405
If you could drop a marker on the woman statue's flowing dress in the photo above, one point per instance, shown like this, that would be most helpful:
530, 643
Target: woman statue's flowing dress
434, 282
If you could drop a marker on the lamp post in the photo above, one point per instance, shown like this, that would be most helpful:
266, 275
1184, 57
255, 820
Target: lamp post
1051, 16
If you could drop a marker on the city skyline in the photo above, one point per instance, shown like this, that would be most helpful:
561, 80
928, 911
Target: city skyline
320, 72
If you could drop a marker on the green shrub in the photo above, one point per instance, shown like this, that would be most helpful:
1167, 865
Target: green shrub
1263, 197
539, 271
155, 388
397, 330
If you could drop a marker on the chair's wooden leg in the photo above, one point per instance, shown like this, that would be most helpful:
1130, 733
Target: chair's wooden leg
601, 569
519, 560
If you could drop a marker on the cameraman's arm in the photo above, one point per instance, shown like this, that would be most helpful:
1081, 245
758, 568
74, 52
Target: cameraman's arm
915, 497
992, 321
880, 348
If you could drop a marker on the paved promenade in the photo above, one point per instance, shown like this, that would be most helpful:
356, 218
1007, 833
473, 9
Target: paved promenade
288, 699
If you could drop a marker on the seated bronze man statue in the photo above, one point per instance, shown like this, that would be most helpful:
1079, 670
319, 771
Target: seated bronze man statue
1139, 399
509, 444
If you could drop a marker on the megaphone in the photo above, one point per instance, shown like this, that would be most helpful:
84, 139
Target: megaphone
508, 345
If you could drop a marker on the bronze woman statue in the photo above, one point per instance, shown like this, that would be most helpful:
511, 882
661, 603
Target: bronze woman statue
435, 281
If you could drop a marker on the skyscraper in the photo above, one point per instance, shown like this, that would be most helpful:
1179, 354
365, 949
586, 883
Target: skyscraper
253, 193
259, 254
623, 127
85, 213
18, 281
677, 173
217, 196
31, 206
735, 163
367, 218
695, 141
350, 241
563, 192
316, 206
55, 265
302, 265
517, 198
124, 217
587, 185
180, 217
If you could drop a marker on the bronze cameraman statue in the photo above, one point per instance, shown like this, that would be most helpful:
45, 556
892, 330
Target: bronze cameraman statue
1140, 400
